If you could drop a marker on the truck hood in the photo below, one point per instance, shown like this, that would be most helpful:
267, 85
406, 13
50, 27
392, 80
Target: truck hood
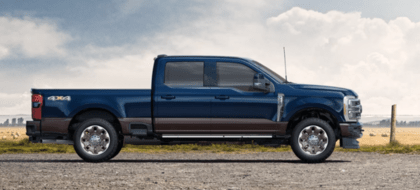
346, 92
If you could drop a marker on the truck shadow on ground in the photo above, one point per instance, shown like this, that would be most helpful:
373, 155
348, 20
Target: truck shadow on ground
175, 161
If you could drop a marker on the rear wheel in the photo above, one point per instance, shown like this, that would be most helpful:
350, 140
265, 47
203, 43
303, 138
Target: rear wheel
313, 140
96, 140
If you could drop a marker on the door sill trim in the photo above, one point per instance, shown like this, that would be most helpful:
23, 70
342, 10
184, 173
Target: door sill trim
252, 136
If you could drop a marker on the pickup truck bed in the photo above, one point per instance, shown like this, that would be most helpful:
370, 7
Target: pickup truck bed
122, 103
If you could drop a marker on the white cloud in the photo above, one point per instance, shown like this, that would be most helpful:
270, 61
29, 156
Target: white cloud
4, 52
367, 55
30, 37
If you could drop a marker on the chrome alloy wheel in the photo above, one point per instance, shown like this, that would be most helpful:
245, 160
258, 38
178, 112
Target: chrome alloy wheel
95, 140
313, 140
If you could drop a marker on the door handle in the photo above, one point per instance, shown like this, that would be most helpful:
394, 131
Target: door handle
168, 97
222, 97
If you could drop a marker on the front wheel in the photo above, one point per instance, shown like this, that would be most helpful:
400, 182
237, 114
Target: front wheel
96, 140
313, 140
119, 147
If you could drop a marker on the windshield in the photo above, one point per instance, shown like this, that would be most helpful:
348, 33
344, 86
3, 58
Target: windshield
270, 72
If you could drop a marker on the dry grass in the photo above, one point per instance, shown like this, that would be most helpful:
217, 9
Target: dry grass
8, 131
406, 136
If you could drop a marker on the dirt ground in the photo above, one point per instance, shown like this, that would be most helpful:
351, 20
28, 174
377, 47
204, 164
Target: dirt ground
283, 170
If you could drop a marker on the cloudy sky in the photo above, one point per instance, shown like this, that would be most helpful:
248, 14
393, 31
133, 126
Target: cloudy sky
372, 47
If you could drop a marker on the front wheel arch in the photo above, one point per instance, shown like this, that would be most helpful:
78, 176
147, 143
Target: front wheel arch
313, 112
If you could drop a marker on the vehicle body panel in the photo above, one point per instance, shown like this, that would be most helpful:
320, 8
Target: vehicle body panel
121, 103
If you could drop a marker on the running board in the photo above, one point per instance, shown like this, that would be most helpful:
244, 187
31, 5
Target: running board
56, 141
197, 136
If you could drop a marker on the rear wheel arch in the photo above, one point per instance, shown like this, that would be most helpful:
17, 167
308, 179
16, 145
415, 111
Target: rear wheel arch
91, 113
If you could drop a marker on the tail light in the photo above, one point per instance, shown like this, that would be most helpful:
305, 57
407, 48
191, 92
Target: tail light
37, 102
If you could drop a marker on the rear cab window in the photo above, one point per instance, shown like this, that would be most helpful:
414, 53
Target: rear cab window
184, 74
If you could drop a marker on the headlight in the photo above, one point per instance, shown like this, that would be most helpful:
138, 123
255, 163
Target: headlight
352, 108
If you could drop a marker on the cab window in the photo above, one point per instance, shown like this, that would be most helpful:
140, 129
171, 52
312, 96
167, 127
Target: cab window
184, 73
235, 75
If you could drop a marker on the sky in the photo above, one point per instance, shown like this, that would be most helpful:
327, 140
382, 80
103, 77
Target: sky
371, 47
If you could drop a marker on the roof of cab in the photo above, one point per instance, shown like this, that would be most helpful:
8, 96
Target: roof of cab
201, 56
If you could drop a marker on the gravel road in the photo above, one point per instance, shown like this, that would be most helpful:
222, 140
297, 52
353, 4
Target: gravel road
210, 171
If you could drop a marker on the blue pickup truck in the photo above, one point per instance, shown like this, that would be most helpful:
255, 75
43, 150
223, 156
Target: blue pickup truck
200, 98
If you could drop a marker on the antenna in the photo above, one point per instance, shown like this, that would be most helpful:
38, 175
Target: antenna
285, 71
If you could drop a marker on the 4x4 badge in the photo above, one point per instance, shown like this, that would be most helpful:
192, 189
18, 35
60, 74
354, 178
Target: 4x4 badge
55, 98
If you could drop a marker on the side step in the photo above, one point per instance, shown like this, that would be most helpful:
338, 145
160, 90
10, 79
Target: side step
58, 141
283, 136
201, 136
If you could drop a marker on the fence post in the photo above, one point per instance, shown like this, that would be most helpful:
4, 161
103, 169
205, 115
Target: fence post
393, 123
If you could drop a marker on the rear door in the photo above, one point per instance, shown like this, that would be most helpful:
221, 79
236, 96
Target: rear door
182, 98
238, 107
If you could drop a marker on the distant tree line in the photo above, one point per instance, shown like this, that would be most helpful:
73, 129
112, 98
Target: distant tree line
387, 122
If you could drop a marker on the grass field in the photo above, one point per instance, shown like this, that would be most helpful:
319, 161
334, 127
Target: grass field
6, 132
408, 138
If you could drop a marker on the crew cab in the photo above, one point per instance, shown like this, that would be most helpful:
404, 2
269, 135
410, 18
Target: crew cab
200, 98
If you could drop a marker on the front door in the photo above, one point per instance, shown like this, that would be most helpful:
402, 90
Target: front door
183, 100
239, 108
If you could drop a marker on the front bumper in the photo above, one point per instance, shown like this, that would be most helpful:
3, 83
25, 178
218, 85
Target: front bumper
349, 133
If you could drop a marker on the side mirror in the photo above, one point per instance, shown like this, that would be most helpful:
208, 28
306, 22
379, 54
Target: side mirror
261, 83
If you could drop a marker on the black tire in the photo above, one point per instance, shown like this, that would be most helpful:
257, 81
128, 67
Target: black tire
119, 147
111, 140
306, 152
